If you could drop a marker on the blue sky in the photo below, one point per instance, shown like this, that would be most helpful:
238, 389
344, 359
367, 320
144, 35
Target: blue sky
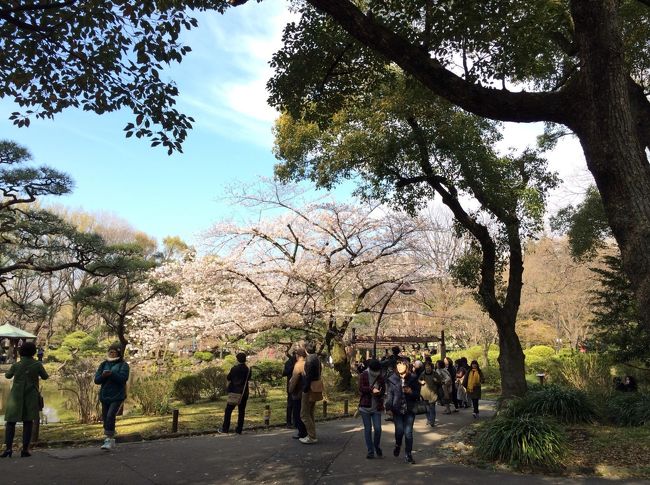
222, 85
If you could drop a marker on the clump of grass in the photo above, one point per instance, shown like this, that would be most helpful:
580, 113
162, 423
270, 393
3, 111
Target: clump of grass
567, 405
627, 409
522, 441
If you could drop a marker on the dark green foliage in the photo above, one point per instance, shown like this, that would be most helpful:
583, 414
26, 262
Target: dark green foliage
586, 225
213, 382
617, 327
268, 371
153, 394
188, 389
34, 239
627, 408
565, 404
98, 56
522, 441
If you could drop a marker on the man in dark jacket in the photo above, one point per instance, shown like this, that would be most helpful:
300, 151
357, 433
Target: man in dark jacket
238, 379
308, 404
288, 372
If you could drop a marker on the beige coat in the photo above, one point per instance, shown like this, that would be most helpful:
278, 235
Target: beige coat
295, 383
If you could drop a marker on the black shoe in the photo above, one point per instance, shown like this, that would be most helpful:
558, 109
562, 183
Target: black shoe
6, 453
238, 432
25, 453
221, 431
379, 452
296, 436
370, 455
409, 459
396, 450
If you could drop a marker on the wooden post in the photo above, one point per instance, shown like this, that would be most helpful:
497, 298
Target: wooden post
267, 415
443, 347
175, 421
345, 408
324, 409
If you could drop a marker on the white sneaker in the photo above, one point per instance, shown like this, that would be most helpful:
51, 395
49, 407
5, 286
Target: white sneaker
109, 444
308, 441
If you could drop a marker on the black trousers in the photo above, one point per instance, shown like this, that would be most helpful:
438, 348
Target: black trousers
10, 432
241, 413
475, 405
297, 422
290, 413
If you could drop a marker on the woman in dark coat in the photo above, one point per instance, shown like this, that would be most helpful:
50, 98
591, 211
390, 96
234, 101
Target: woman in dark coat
112, 375
24, 400
403, 391
472, 382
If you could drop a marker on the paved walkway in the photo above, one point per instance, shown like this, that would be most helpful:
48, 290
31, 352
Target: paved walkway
264, 457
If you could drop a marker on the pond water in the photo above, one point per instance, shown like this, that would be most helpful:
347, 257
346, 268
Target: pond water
55, 409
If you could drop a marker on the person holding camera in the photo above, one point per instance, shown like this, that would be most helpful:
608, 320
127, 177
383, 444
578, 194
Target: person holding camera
112, 375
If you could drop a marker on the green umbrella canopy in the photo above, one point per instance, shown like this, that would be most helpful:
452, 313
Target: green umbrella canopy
9, 331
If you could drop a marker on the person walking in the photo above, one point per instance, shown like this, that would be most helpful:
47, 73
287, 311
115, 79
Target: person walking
446, 386
295, 390
310, 394
39, 353
237, 390
112, 375
402, 393
473, 381
430, 382
24, 403
372, 388
449, 365
288, 372
461, 391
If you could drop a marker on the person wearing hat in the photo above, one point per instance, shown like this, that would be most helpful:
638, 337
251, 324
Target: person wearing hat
112, 375
24, 403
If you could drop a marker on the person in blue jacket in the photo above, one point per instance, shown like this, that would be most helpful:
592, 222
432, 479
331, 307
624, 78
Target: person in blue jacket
112, 375
403, 391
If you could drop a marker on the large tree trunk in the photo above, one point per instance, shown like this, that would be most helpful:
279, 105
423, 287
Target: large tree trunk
341, 365
511, 361
612, 127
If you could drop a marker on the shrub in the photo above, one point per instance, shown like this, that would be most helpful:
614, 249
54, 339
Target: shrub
522, 441
204, 356
539, 358
565, 404
188, 389
213, 382
78, 377
627, 408
268, 371
153, 394
492, 376
585, 371
62, 354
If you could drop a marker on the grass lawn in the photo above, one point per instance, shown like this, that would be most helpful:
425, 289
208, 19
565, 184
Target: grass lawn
202, 416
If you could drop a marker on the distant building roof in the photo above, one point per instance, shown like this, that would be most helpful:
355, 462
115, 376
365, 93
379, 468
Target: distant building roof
9, 331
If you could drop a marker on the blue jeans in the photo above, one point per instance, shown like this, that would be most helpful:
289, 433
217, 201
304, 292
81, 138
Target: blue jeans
431, 412
109, 411
404, 428
371, 420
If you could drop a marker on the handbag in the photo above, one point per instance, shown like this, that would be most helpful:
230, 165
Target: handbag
234, 398
420, 407
316, 391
